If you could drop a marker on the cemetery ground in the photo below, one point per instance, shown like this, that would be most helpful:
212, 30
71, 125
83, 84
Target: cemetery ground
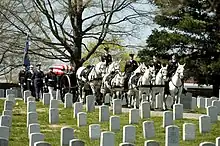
19, 136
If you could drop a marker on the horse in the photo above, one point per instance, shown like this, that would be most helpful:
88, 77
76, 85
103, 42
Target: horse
112, 70
133, 84
161, 77
93, 80
146, 80
176, 85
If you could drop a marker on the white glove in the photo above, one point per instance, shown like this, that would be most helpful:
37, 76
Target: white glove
19, 84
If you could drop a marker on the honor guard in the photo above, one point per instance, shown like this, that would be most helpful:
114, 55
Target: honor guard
38, 78
107, 57
172, 66
22, 80
30, 83
156, 64
51, 81
130, 66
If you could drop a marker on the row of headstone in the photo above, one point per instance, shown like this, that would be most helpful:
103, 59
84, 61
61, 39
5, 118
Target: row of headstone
201, 102
6, 119
35, 137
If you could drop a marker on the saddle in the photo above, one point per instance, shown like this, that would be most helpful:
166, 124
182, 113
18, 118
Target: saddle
110, 76
85, 72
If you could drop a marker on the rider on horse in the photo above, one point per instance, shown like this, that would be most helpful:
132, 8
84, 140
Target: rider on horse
107, 57
130, 66
156, 64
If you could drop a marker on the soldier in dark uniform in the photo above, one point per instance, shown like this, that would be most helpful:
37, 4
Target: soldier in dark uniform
38, 78
107, 57
130, 66
30, 83
51, 81
156, 64
22, 80
172, 66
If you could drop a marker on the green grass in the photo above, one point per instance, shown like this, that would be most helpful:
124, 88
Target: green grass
19, 137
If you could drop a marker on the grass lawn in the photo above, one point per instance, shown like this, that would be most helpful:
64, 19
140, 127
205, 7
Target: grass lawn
19, 136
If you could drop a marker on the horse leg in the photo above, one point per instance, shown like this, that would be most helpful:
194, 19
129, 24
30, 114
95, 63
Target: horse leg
137, 99
164, 99
126, 98
153, 100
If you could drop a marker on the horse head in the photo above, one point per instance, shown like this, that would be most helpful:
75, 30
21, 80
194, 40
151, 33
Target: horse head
180, 71
119, 79
101, 68
163, 72
116, 66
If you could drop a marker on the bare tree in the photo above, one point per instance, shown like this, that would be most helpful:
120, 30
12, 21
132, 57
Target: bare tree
60, 29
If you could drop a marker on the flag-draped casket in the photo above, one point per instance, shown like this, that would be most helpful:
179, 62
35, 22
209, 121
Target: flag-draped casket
61, 69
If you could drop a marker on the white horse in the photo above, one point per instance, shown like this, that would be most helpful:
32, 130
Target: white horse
176, 84
112, 70
161, 77
133, 85
145, 83
94, 78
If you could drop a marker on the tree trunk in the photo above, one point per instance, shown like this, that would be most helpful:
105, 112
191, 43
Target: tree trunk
215, 90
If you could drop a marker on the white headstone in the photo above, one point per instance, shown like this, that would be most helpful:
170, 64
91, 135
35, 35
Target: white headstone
126, 144
204, 124
2, 93
217, 141
148, 129
35, 137
194, 103
134, 116
114, 123
77, 107
151, 143
54, 103
208, 102
107, 98
32, 117
3, 142
76, 142
8, 105
189, 131
11, 97
7, 112
58, 95
10, 91
31, 106
94, 131
27, 94
46, 98
4, 132
206, 144
42, 143
67, 134
30, 99
117, 107
90, 103
217, 104
68, 100
167, 118
33, 128
5, 120
145, 110
212, 113
107, 139
177, 112
103, 113
200, 102
81, 119
172, 136
129, 133
54, 116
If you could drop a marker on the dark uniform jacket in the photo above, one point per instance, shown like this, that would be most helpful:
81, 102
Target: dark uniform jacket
22, 77
51, 79
107, 58
157, 66
28, 76
130, 66
173, 65
38, 77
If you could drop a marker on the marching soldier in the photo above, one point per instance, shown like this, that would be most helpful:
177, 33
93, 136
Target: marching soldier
107, 57
22, 79
38, 78
30, 84
51, 81
130, 66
